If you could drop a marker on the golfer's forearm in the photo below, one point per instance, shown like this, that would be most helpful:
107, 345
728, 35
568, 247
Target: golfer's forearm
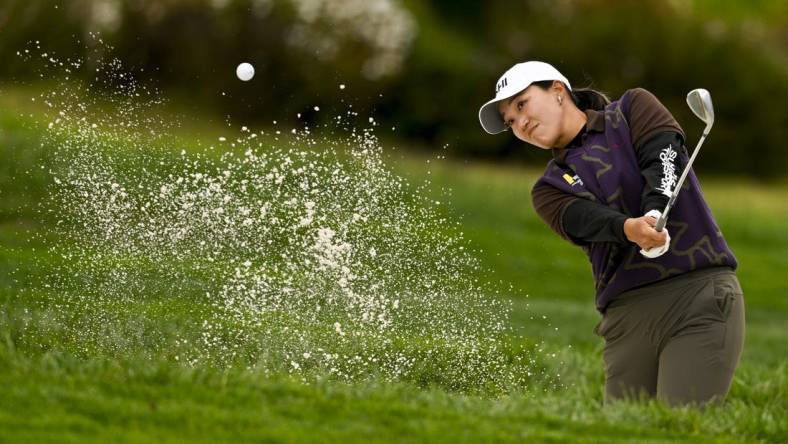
660, 167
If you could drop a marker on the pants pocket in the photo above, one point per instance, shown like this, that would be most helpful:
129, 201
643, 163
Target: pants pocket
726, 291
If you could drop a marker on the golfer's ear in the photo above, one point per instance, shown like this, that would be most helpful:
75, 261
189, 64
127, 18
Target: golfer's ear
558, 86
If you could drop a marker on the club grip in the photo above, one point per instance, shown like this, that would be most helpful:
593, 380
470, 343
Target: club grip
661, 223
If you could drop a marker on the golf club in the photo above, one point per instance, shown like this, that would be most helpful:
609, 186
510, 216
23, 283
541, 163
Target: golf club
699, 101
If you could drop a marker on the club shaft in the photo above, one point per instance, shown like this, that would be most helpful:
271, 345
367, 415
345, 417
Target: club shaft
664, 218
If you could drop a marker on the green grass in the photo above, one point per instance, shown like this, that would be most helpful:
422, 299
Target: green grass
53, 393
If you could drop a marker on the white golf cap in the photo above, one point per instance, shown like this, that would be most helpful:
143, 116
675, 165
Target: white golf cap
512, 82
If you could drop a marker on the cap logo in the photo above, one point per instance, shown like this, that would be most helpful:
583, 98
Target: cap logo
502, 84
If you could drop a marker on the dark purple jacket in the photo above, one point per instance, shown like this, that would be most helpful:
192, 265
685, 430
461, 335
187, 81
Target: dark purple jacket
607, 168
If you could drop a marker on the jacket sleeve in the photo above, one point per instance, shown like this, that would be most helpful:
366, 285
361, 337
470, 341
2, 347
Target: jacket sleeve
587, 221
660, 167
579, 221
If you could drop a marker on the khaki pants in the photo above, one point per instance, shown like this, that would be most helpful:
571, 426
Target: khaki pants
679, 339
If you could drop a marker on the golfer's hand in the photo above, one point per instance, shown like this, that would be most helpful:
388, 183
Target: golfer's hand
640, 230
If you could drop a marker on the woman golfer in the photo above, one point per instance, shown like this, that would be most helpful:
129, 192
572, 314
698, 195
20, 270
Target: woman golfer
672, 308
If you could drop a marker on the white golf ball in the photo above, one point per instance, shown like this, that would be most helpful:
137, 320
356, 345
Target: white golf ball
245, 71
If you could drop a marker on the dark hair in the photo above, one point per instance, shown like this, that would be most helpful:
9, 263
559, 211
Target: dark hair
583, 98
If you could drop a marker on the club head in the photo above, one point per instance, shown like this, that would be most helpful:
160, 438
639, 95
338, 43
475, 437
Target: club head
699, 101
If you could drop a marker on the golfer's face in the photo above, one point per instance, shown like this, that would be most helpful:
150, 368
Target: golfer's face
534, 116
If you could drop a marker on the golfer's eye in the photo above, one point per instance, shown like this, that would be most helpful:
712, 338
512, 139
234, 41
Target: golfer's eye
520, 105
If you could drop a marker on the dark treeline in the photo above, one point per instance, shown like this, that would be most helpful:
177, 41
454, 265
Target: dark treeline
424, 67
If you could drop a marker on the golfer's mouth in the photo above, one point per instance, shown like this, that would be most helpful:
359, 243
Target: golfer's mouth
530, 131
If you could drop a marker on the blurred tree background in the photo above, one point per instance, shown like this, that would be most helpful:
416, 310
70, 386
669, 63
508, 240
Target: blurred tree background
424, 67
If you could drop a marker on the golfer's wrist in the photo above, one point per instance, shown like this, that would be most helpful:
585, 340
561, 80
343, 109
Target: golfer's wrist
628, 227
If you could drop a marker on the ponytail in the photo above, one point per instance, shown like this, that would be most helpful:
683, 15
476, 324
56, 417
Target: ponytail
587, 98
583, 98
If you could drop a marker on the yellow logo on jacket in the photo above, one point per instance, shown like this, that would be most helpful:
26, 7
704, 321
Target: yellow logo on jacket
573, 180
